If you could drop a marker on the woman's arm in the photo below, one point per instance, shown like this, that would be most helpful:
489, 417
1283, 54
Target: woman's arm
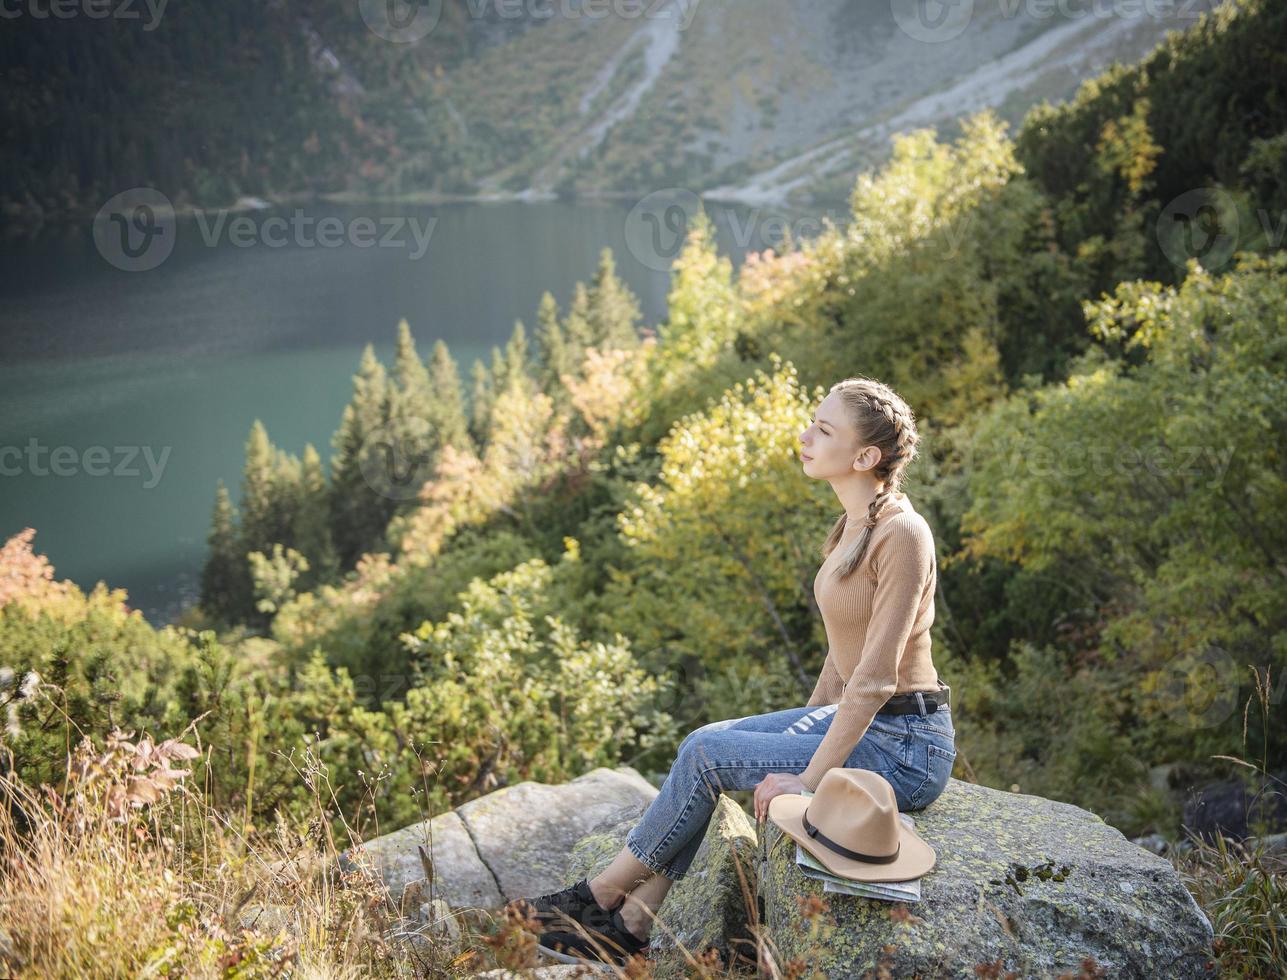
830, 685
904, 569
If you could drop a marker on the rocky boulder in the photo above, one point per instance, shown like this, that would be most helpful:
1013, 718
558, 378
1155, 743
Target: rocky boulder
1023, 882
510, 843
708, 908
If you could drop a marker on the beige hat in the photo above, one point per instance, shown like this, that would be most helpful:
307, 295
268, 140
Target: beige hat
851, 825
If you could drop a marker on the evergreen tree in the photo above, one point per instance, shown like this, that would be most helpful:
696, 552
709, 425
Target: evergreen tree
481, 403
702, 307
416, 438
551, 348
359, 515
225, 578
578, 330
515, 359
614, 310
264, 493
449, 401
311, 534
414, 391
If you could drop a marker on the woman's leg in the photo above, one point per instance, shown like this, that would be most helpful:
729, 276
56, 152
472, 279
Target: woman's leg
639, 910
737, 755
626, 873
791, 720
647, 888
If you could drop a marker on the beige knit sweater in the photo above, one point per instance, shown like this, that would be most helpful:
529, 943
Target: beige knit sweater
878, 628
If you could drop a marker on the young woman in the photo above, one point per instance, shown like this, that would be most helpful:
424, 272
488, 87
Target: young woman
878, 703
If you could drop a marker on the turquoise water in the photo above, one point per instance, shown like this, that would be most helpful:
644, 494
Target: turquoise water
144, 384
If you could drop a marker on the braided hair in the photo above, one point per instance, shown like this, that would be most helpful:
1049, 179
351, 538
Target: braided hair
885, 421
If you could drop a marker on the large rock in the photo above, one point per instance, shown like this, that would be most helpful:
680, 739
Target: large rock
708, 908
510, 843
1033, 883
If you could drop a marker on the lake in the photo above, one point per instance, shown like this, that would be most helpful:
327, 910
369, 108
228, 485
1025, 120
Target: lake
129, 382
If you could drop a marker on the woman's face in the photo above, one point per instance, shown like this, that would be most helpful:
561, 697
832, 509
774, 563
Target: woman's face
827, 446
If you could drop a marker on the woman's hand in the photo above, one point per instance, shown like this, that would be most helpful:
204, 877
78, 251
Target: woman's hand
775, 784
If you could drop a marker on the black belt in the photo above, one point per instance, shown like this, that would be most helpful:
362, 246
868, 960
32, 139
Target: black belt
909, 704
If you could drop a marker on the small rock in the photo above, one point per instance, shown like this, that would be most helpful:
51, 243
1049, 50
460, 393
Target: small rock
438, 919
1273, 843
266, 918
1153, 842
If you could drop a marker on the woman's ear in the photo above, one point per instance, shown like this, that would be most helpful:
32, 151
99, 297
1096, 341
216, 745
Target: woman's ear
863, 460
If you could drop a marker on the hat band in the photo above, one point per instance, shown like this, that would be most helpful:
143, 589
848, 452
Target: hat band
818, 835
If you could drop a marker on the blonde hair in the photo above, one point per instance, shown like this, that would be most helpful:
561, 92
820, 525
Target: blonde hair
882, 419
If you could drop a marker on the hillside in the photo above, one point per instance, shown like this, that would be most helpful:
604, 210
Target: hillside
753, 100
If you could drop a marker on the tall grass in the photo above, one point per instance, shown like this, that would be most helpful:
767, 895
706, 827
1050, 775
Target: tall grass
1242, 885
127, 871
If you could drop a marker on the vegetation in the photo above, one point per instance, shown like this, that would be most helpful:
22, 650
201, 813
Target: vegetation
609, 542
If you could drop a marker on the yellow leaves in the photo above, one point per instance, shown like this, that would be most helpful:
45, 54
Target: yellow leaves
571, 548
1126, 146
1137, 314
925, 188
609, 384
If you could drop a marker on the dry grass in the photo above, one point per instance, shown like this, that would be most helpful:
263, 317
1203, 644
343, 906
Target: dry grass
1242, 886
127, 872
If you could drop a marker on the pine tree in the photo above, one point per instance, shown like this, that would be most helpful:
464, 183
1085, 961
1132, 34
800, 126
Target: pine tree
311, 534
359, 515
481, 403
262, 504
548, 343
578, 330
416, 417
225, 576
449, 400
551, 353
614, 310
515, 359
414, 391
702, 308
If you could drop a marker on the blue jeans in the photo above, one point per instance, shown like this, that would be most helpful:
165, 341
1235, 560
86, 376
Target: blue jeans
913, 751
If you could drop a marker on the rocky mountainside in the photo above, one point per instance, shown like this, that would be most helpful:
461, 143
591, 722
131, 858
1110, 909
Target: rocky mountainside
751, 100
757, 100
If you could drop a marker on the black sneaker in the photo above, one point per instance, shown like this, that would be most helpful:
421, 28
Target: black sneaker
608, 943
577, 902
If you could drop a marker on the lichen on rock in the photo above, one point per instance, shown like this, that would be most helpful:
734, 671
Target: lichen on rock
1033, 883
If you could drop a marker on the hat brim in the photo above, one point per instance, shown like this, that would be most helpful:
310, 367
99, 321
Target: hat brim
915, 857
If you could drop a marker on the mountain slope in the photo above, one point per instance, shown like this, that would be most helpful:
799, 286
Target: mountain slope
757, 99
750, 100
